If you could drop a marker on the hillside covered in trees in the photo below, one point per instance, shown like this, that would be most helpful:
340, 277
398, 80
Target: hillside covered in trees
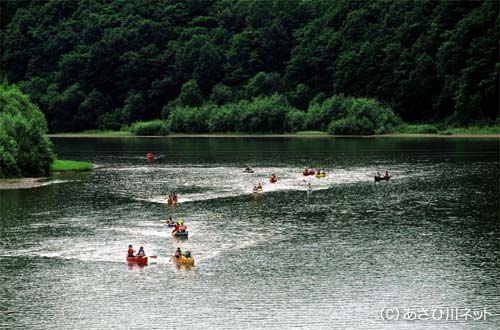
281, 65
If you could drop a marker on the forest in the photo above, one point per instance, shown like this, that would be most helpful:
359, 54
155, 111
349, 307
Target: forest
347, 67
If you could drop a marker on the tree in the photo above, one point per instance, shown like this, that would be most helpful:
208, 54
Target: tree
25, 149
190, 94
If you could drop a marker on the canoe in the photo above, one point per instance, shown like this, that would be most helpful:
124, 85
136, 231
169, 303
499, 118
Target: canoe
380, 178
249, 172
183, 260
170, 224
257, 191
320, 175
137, 260
180, 234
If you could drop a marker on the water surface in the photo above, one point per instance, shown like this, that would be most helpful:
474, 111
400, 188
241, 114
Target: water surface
283, 259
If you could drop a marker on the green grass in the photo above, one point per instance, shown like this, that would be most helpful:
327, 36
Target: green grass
95, 133
431, 129
311, 133
70, 165
472, 130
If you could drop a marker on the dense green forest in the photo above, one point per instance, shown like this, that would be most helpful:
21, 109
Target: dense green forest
25, 149
256, 66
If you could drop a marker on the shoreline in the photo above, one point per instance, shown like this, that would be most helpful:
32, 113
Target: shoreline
317, 135
27, 183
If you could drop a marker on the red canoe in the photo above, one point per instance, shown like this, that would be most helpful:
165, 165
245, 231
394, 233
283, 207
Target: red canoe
138, 260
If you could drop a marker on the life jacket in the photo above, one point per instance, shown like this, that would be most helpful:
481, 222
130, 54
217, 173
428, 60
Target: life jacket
187, 254
177, 253
182, 228
130, 252
141, 253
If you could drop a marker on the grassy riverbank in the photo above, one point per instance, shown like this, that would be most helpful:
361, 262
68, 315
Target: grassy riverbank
403, 131
70, 166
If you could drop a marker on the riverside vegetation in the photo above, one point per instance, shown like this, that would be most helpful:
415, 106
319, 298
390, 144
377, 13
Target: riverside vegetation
25, 149
346, 67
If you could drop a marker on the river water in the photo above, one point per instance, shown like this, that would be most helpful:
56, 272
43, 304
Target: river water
350, 255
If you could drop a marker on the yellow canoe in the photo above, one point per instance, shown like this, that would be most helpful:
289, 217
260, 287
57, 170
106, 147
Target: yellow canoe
320, 175
183, 260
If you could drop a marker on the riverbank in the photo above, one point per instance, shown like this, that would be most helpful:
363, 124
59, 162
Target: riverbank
287, 135
59, 166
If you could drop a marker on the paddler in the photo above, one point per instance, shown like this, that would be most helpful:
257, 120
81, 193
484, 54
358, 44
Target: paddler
141, 253
130, 251
177, 226
178, 252
182, 226
187, 254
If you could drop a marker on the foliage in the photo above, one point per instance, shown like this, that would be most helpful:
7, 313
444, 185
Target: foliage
189, 120
363, 117
105, 64
154, 127
25, 149
417, 129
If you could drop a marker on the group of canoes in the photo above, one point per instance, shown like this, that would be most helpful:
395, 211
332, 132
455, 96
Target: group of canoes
179, 257
308, 171
180, 231
273, 178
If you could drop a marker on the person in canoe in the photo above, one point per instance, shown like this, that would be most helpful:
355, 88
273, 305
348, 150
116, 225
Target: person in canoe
377, 175
248, 169
130, 252
187, 254
386, 176
170, 221
176, 227
182, 227
273, 178
178, 252
141, 253
150, 157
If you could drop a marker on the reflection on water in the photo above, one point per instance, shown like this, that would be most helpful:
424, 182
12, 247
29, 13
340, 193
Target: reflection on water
283, 259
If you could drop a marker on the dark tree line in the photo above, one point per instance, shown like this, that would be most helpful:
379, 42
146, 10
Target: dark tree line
104, 64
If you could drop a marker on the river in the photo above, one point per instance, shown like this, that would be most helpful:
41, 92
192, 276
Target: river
353, 254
